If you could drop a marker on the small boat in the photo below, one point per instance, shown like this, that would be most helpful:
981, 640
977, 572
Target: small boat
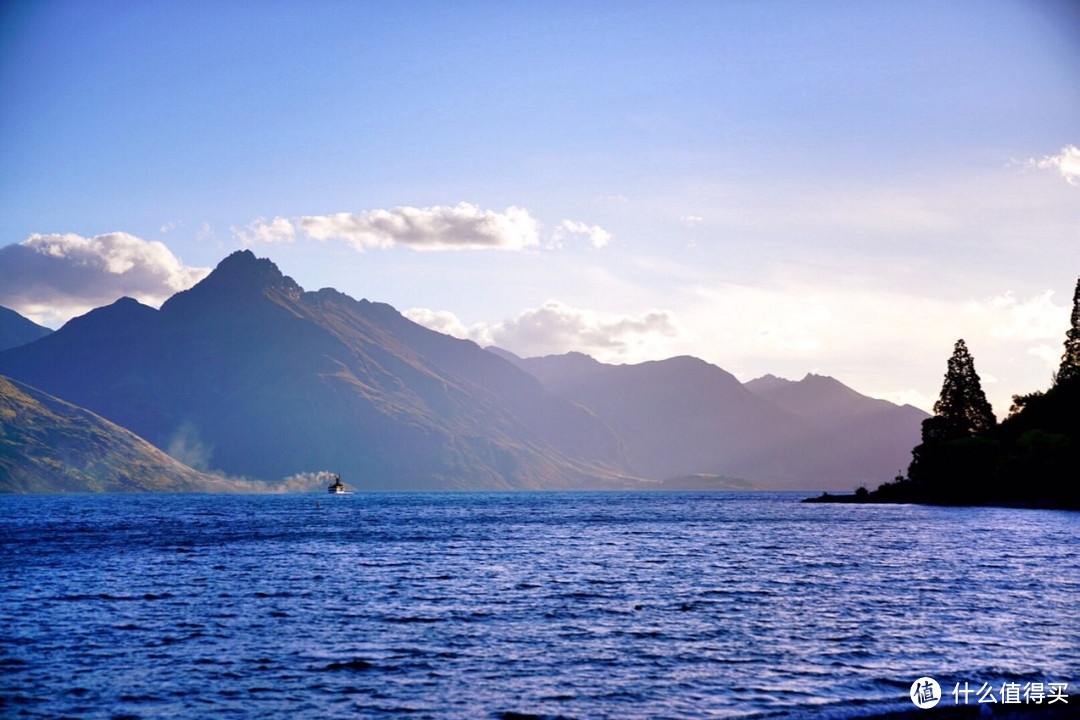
337, 487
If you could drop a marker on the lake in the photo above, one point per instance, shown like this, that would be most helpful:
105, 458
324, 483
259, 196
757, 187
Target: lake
467, 605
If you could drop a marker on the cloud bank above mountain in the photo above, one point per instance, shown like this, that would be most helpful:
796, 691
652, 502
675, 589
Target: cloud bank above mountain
556, 328
51, 278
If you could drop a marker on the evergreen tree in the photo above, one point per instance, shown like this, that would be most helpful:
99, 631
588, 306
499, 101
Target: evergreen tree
1070, 361
962, 410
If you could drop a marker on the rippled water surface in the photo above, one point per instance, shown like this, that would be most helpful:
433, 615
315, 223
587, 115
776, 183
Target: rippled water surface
485, 605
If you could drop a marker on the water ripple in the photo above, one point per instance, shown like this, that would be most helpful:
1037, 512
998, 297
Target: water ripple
535, 605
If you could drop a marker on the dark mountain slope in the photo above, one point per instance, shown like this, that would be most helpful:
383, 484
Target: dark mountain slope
569, 428
48, 445
105, 360
249, 374
15, 330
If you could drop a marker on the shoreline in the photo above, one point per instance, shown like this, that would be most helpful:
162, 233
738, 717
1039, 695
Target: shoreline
870, 499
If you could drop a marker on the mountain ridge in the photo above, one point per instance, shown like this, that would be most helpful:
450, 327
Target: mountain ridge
249, 374
684, 416
266, 381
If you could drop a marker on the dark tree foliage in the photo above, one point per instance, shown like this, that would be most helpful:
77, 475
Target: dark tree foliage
1040, 457
1032, 459
1070, 361
962, 410
951, 446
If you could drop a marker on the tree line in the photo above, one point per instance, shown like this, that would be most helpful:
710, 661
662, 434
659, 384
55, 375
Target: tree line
1032, 458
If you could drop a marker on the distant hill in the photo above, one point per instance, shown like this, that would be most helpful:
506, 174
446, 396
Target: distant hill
683, 416
821, 397
850, 434
48, 445
249, 374
677, 417
15, 330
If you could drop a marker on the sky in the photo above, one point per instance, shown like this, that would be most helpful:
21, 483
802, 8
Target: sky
775, 186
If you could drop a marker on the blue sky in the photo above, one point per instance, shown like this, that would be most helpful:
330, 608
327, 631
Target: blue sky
776, 187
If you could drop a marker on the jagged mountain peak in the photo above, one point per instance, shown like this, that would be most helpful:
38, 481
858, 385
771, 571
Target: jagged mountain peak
243, 269
245, 260
239, 278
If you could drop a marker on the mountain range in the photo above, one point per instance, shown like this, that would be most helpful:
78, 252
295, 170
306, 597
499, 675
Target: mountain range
683, 415
249, 375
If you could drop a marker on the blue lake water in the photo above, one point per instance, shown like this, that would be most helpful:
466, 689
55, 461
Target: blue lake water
558, 604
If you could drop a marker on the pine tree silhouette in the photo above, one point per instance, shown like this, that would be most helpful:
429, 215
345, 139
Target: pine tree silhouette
1032, 459
1070, 361
962, 409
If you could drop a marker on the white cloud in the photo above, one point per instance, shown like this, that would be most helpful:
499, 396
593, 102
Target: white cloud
1066, 162
278, 230
597, 236
1049, 354
557, 328
462, 227
1036, 319
448, 323
52, 278
692, 220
